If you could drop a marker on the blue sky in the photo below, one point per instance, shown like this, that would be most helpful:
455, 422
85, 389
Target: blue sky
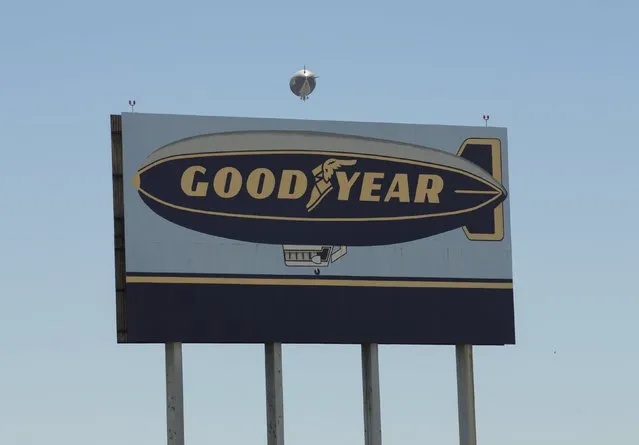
562, 76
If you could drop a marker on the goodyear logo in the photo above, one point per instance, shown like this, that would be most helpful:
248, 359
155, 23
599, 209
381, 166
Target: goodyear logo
304, 196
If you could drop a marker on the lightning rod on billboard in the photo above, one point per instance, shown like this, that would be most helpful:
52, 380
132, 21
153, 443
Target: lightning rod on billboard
303, 83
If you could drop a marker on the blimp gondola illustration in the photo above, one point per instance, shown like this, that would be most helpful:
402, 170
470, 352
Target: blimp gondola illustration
316, 193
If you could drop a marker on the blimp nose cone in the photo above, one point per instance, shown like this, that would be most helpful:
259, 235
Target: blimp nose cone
135, 181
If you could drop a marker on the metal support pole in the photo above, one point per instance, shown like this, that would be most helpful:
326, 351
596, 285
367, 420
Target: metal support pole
372, 405
174, 394
274, 394
466, 395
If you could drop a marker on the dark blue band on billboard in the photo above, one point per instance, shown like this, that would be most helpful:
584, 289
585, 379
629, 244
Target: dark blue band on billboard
219, 313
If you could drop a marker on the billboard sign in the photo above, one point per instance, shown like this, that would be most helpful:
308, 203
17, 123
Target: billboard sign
248, 230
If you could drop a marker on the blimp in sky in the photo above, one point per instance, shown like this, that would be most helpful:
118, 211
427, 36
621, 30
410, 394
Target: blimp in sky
303, 83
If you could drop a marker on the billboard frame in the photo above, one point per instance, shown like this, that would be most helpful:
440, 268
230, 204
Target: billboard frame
273, 350
461, 326
118, 227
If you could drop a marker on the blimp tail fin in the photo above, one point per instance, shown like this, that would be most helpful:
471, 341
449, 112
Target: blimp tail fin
486, 153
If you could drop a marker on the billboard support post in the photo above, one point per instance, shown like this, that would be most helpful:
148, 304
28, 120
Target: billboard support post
274, 394
466, 395
371, 392
174, 394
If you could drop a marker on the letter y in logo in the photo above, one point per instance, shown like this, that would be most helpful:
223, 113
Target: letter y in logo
323, 174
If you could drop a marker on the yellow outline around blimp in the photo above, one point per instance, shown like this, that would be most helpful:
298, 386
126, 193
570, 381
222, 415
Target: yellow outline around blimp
136, 182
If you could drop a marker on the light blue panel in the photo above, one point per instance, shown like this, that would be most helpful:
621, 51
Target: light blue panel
156, 245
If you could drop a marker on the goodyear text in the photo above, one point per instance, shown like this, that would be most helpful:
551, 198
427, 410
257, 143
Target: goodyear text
261, 183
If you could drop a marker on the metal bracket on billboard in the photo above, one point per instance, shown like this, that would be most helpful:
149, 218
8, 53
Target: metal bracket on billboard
174, 394
466, 395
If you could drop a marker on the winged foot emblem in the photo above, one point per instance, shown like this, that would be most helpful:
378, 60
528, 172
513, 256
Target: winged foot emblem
323, 175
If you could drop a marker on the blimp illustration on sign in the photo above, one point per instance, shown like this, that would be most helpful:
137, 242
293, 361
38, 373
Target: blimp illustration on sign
316, 193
